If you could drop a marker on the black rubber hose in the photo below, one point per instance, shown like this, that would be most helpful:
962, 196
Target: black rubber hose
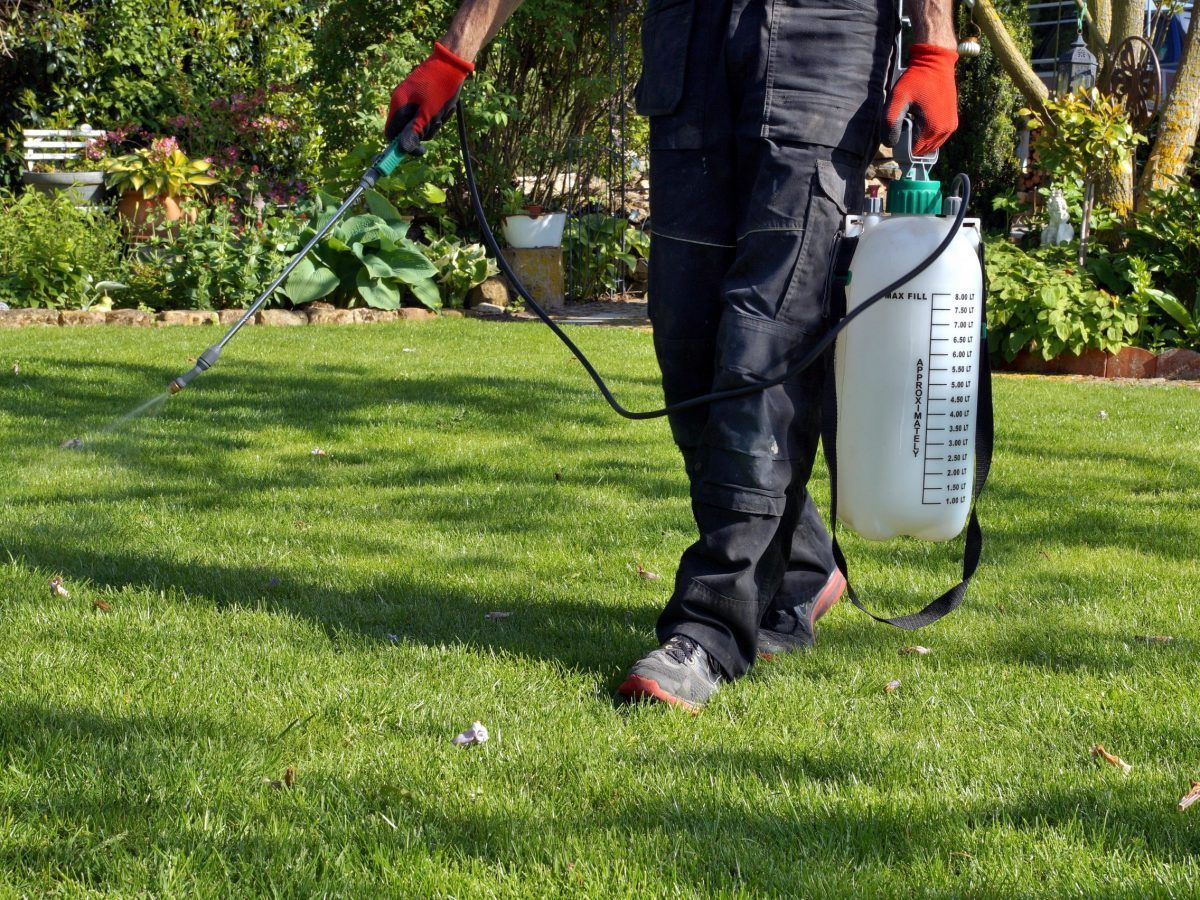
807, 360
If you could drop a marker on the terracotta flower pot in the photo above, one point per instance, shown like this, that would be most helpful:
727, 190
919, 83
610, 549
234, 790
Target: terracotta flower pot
146, 215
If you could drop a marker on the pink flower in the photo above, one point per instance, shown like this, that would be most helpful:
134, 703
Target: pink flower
161, 148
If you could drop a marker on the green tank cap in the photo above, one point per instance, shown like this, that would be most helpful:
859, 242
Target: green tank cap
915, 197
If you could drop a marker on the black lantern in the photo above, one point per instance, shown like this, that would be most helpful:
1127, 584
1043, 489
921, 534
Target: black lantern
1075, 69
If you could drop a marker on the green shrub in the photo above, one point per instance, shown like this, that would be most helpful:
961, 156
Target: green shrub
55, 255
601, 250
1041, 301
539, 102
366, 257
223, 260
1167, 236
211, 71
460, 267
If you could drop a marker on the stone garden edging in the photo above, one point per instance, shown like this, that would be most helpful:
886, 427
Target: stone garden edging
25, 318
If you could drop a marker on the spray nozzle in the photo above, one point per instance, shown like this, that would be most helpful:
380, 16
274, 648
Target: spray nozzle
206, 361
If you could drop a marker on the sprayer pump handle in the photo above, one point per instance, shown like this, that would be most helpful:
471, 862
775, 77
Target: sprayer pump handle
911, 164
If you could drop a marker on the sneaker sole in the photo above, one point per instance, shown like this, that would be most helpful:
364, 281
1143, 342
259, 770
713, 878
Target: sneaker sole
635, 688
830, 594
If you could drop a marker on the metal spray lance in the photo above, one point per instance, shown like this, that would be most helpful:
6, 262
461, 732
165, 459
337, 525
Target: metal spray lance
383, 164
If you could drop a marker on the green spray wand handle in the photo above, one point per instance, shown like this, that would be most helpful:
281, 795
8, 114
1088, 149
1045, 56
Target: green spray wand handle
384, 164
387, 161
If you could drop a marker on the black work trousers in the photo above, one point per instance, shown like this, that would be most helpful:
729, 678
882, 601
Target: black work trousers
763, 115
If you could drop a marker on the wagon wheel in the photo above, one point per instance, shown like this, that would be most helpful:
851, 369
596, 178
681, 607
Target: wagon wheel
1136, 80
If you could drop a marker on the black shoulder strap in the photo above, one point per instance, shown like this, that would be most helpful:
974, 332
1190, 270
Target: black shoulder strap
984, 436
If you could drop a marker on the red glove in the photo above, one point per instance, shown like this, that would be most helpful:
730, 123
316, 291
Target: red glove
423, 100
926, 90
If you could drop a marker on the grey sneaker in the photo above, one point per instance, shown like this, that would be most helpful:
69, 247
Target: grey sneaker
680, 673
796, 629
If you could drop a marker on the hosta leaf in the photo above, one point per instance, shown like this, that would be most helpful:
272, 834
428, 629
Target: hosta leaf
377, 293
380, 205
409, 264
309, 281
357, 229
1172, 308
373, 263
427, 292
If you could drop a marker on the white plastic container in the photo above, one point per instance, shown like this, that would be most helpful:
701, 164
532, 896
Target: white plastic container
545, 230
907, 375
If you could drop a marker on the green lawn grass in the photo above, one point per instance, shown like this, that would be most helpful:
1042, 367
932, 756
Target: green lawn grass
270, 608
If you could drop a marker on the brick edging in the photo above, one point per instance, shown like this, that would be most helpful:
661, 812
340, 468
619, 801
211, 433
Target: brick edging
1132, 362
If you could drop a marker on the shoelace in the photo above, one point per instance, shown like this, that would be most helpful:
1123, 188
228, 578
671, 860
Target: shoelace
681, 649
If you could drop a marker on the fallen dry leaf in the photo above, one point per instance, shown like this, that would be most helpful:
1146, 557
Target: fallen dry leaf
57, 589
916, 650
317, 451
497, 615
285, 783
101, 606
1098, 750
1190, 797
892, 686
643, 572
476, 734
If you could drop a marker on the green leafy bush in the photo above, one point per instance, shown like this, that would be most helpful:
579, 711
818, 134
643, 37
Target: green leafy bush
541, 103
222, 260
1041, 301
416, 188
601, 250
55, 255
987, 105
365, 257
460, 267
1167, 236
186, 67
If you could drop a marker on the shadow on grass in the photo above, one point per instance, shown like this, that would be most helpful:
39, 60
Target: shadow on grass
208, 419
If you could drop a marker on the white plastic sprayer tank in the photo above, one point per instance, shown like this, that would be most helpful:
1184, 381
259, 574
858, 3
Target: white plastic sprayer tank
907, 381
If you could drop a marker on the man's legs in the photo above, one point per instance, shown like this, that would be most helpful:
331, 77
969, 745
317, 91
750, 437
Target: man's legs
774, 141
756, 452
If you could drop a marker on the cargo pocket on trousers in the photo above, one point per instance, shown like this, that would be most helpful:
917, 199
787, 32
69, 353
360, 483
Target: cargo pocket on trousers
803, 304
666, 38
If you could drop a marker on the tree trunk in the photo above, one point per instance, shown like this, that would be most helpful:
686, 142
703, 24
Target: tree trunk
1100, 13
1128, 20
1012, 60
1178, 124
